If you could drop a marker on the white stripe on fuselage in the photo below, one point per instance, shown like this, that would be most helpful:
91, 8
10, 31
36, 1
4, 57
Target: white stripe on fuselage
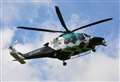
60, 44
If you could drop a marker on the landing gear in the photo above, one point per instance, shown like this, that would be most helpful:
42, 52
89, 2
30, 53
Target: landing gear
94, 50
64, 63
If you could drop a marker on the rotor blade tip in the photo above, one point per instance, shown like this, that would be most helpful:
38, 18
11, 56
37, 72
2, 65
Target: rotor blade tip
56, 6
110, 18
18, 27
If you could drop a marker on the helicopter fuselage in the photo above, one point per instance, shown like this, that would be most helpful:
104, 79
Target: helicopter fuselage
73, 44
65, 46
69, 40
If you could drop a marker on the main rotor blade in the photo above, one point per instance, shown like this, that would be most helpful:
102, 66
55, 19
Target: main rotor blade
61, 18
39, 29
94, 23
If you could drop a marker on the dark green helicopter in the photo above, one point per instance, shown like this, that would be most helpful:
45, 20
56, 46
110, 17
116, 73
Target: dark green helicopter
64, 46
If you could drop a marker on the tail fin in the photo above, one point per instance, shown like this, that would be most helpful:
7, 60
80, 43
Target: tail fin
17, 55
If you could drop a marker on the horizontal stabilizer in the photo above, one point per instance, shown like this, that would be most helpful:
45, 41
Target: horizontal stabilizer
17, 57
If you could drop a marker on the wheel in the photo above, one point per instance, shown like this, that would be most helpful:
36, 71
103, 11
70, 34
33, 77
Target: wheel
64, 63
94, 50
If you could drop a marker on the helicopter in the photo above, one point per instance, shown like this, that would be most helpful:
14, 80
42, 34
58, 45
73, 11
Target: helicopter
66, 45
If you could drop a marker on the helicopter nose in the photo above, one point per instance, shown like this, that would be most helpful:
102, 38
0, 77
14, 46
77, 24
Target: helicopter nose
104, 43
97, 41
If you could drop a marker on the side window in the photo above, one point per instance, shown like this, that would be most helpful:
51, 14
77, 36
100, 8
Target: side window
81, 37
66, 41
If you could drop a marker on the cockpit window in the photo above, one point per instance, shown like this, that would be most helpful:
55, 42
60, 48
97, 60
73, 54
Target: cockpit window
81, 36
86, 35
69, 38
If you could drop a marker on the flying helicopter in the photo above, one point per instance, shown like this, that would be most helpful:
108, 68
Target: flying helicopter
66, 45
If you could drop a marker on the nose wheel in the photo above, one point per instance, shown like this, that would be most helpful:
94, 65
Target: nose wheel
64, 63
